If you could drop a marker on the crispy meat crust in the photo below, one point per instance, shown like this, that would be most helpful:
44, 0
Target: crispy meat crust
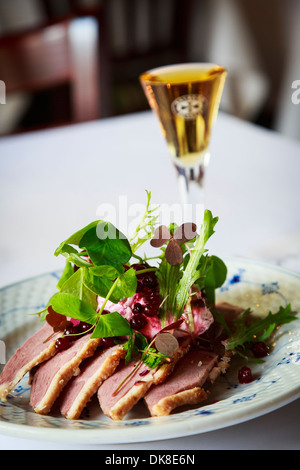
138, 391
221, 367
124, 405
187, 397
166, 369
92, 385
62, 377
47, 353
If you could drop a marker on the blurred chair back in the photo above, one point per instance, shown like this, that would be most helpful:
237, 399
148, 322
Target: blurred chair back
51, 56
142, 34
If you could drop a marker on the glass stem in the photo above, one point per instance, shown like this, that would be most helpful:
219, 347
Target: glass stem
191, 181
191, 184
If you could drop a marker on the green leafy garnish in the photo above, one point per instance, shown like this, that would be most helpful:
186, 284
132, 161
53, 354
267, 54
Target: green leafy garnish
146, 227
137, 346
106, 245
98, 264
193, 269
176, 281
67, 273
153, 358
260, 329
110, 325
76, 287
102, 279
65, 247
213, 277
71, 306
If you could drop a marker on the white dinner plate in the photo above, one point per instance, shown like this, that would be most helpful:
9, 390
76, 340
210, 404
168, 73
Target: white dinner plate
276, 382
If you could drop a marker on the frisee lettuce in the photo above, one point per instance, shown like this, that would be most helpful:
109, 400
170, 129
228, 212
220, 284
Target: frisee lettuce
246, 331
145, 229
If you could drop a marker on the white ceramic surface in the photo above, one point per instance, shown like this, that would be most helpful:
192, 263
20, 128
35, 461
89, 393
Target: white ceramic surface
277, 381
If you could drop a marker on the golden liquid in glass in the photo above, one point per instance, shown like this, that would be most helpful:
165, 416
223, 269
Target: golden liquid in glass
186, 100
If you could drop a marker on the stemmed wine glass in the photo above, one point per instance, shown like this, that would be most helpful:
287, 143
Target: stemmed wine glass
186, 98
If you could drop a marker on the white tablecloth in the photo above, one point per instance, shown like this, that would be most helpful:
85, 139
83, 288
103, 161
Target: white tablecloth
53, 182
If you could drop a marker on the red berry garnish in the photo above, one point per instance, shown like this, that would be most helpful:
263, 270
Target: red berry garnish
259, 349
149, 280
138, 321
107, 342
61, 344
245, 375
137, 308
83, 327
70, 331
149, 311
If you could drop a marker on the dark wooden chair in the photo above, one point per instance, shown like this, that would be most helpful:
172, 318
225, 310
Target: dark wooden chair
154, 33
102, 80
50, 58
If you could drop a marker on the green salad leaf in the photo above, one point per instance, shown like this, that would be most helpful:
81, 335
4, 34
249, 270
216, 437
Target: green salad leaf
110, 325
258, 330
101, 279
65, 246
98, 264
192, 271
145, 229
67, 273
75, 286
71, 306
106, 245
213, 275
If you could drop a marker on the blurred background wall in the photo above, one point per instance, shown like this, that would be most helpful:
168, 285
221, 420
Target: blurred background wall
67, 61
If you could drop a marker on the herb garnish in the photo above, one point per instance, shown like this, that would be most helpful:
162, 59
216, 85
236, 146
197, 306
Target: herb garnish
98, 264
247, 330
182, 234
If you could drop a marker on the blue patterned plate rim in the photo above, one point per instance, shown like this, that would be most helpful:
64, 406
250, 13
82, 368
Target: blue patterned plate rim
197, 420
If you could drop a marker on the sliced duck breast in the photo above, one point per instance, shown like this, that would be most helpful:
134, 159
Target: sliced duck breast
229, 311
120, 392
93, 372
183, 386
53, 375
37, 349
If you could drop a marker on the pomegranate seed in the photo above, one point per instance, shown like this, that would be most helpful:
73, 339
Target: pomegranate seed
149, 280
61, 344
245, 375
149, 311
83, 327
259, 349
107, 342
71, 330
139, 287
137, 308
138, 321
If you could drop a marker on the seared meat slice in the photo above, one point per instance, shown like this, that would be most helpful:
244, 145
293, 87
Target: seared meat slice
183, 386
229, 311
37, 349
116, 400
93, 372
53, 375
117, 405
